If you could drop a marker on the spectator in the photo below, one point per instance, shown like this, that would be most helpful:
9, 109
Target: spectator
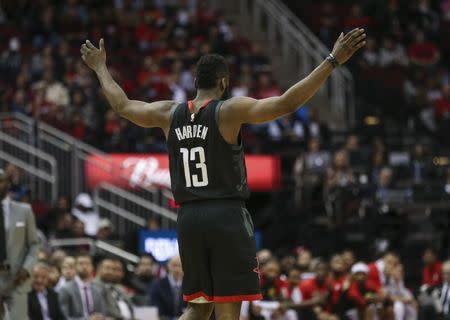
419, 164
81, 298
63, 226
266, 87
85, 212
384, 184
319, 285
405, 307
68, 272
423, 53
339, 181
381, 270
270, 280
432, 270
340, 174
359, 296
106, 233
349, 259
439, 296
43, 301
117, 304
54, 274
356, 18
304, 260
263, 255
370, 56
142, 280
337, 278
166, 294
392, 54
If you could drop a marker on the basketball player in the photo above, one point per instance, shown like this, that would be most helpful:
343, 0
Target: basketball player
208, 175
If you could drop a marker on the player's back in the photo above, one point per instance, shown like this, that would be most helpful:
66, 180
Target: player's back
203, 165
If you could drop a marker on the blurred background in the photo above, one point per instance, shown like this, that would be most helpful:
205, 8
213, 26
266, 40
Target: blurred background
360, 173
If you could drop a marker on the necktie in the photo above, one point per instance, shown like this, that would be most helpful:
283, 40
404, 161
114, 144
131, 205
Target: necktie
2, 235
86, 297
176, 293
445, 300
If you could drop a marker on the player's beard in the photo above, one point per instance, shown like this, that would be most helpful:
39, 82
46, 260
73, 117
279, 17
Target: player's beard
225, 94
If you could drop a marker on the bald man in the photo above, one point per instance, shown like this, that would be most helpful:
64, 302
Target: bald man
166, 294
19, 247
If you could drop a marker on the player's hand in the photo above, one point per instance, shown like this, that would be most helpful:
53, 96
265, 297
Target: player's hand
94, 57
347, 45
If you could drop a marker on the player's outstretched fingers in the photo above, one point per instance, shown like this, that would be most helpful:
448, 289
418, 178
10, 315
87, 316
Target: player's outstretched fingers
350, 34
357, 40
85, 50
101, 44
90, 45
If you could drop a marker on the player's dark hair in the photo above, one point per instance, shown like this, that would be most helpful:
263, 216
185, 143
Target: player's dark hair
210, 68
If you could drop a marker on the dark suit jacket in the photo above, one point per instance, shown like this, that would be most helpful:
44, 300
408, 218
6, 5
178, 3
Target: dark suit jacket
34, 308
161, 296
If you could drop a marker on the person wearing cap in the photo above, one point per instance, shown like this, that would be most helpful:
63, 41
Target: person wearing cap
84, 211
19, 246
359, 296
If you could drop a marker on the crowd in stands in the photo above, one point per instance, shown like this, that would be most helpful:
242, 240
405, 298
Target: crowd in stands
403, 72
297, 285
152, 50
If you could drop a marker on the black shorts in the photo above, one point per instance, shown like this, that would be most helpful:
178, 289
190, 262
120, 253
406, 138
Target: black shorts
218, 252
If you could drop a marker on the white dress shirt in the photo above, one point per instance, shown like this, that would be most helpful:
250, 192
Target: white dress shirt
6, 203
42, 297
81, 286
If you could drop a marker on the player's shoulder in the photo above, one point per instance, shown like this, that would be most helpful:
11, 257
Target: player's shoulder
236, 101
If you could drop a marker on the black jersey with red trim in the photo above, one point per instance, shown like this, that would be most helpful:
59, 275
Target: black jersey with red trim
203, 165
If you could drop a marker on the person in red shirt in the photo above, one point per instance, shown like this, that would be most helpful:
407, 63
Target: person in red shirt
442, 105
337, 278
270, 280
380, 270
359, 296
432, 270
422, 52
319, 287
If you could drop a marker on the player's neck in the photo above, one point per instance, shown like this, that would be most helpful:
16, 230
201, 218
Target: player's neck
205, 95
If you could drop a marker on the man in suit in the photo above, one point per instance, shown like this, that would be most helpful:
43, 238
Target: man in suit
19, 246
166, 294
80, 298
435, 300
43, 302
117, 304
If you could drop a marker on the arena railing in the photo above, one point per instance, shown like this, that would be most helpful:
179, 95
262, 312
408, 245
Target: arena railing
295, 51
95, 246
112, 200
41, 168
72, 155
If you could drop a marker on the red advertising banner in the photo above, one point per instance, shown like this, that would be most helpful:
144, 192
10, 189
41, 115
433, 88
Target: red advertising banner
138, 170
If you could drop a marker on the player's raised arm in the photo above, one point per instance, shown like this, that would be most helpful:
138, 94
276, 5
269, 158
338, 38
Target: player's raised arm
239, 110
155, 114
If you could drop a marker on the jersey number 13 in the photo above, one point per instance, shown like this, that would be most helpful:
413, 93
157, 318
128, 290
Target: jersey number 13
196, 155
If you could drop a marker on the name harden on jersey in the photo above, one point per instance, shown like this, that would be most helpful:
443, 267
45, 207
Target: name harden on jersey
194, 131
